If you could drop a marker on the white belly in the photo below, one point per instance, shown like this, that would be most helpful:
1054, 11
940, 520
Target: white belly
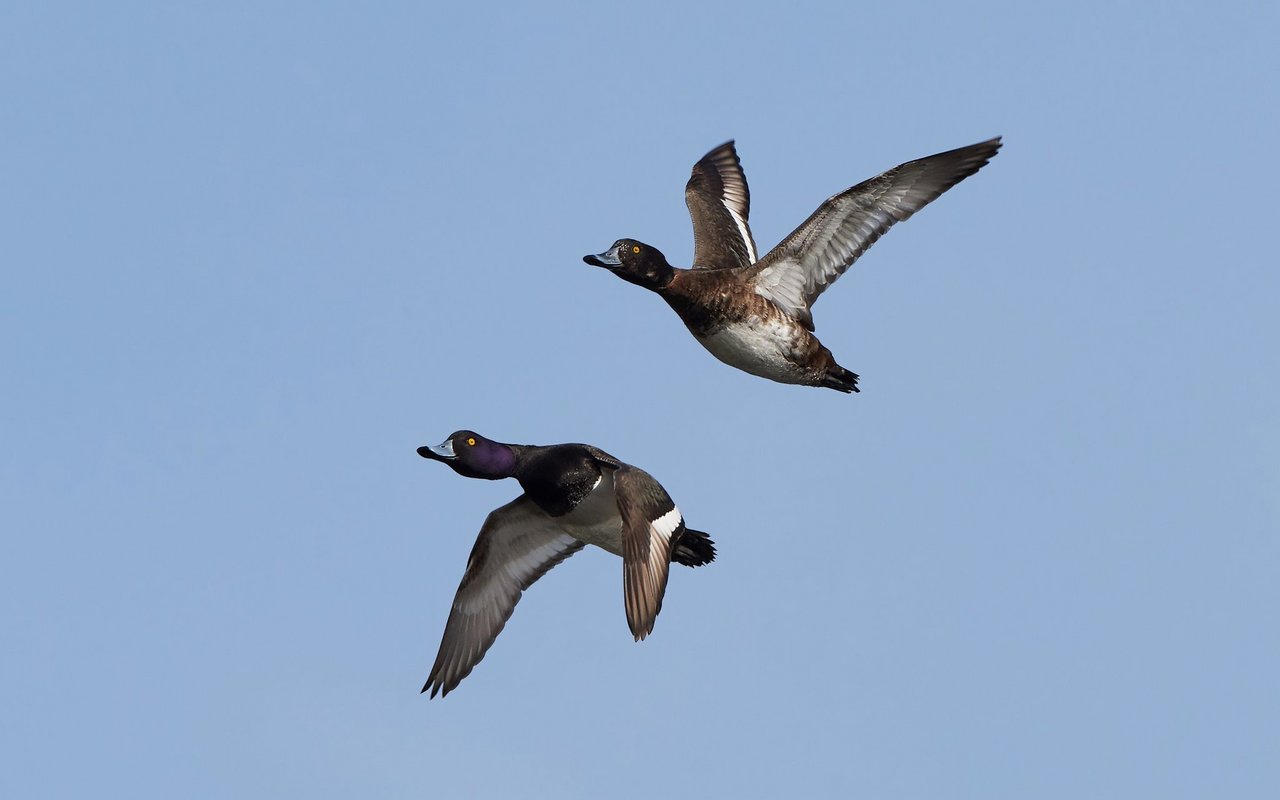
762, 348
596, 519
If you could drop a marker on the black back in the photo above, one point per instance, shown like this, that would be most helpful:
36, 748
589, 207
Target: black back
558, 477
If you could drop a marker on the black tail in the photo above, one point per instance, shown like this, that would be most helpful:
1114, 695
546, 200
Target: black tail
840, 379
694, 549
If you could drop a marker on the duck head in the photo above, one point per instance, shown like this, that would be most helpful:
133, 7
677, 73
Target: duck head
635, 262
471, 455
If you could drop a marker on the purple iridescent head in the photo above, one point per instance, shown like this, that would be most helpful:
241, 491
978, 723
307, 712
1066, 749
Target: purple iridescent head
473, 456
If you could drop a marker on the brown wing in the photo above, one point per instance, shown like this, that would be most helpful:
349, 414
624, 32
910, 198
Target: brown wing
651, 524
517, 545
719, 204
799, 269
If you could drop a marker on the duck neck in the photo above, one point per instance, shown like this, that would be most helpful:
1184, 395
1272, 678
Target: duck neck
661, 283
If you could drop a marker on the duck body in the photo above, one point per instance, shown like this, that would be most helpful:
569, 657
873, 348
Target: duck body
745, 330
574, 485
559, 478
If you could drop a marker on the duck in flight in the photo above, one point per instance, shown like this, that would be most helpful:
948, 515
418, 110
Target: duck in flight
574, 495
755, 313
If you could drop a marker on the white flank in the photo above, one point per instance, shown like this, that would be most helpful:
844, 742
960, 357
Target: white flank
759, 347
596, 519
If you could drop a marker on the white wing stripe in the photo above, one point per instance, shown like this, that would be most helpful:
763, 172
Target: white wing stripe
742, 230
666, 524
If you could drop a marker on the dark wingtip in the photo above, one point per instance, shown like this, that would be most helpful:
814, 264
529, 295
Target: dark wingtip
978, 156
990, 148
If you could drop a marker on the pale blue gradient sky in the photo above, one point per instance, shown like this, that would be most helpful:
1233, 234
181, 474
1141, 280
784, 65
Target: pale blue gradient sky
254, 256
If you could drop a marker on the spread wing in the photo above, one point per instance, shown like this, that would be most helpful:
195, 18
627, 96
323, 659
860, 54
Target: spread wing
651, 524
797, 271
719, 204
517, 545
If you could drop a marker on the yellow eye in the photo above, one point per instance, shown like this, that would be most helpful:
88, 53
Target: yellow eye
636, 249
471, 441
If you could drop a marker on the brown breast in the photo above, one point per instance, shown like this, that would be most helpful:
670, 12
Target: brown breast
707, 300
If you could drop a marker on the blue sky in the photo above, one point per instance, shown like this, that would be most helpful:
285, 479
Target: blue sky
253, 257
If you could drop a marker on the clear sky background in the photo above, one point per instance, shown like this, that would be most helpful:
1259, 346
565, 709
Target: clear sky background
253, 257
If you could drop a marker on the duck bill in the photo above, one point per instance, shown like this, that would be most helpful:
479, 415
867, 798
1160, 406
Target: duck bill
608, 258
441, 452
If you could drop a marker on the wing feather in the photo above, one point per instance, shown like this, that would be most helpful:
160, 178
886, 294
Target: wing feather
651, 525
804, 264
719, 205
518, 544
